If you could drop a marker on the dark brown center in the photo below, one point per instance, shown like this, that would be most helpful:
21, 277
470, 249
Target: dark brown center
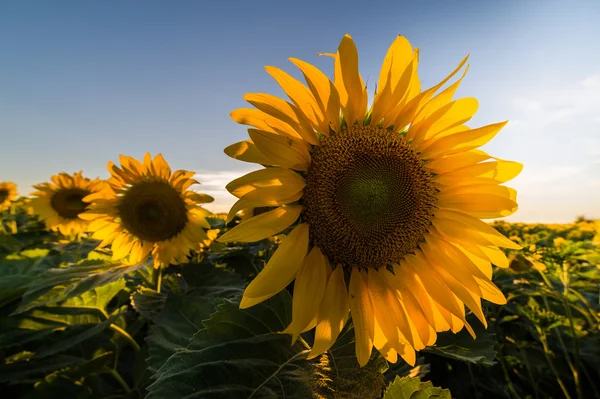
68, 202
368, 199
3, 195
153, 211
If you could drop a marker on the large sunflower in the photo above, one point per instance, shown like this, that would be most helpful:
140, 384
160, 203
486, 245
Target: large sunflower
148, 209
383, 204
59, 202
8, 193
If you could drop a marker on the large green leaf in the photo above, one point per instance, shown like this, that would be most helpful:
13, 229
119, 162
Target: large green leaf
182, 314
87, 309
19, 270
240, 354
413, 388
60, 284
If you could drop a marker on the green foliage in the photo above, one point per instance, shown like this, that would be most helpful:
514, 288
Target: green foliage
73, 323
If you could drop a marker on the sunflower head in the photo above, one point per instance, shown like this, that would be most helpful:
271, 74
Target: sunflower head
149, 209
8, 193
381, 203
59, 202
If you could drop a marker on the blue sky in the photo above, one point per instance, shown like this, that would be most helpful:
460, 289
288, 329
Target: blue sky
82, 82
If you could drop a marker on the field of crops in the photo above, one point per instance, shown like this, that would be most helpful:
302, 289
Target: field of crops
74, 323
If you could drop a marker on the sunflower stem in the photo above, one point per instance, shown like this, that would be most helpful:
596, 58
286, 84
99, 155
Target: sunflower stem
115, 374
125, 335
157, 279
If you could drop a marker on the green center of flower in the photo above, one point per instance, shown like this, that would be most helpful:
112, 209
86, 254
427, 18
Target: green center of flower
153, 211
68, 202
368, 198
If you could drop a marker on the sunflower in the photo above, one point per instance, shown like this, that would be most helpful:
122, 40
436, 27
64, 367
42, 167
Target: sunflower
8, 193
59, 202
147, 209
383, 204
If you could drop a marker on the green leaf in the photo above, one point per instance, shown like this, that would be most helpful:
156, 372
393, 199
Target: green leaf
240, 354
181, 315
148, 303
18, 271
36, 324
463, 347
413, 388
60, 284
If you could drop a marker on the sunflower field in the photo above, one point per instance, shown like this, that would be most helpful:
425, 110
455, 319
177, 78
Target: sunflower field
352, 265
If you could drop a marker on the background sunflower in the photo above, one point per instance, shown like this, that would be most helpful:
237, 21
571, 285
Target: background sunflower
59, 202
8, 193
149, 209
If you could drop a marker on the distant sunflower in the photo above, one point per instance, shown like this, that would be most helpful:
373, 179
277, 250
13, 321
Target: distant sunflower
8, 193
59, 203
389, 197
147, 210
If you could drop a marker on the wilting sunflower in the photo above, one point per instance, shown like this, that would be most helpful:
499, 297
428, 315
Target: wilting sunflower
383, 204
59, 203
148, 209
8, 193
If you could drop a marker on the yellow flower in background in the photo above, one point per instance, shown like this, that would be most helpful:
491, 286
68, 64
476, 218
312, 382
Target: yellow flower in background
149, 209
8, 193
383, 204
60, 202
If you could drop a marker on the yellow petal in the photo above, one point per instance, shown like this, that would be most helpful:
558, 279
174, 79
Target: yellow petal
333, 313
394, 78
264, 225
299, 94
495, 172
381, 343
309, 289
361, 309
286, 112
260, 198
438, 290
470, 224
324, 92
462, 141
456, 161
447, 117
265, 122
248, 152
282, 151
348, 80
474, 201
459, 285
268, 177
281, 269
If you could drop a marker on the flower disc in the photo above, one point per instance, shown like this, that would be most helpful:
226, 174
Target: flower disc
153, 211
60, 202
150, 209
368, 198
8, 193
68, 202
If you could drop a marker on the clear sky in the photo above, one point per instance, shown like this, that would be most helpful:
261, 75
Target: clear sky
82, 82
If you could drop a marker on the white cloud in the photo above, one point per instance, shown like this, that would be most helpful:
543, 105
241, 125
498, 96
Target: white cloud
213, 183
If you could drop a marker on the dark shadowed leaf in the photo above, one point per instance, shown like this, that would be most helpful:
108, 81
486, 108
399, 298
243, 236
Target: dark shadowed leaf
181, 315
240, 354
